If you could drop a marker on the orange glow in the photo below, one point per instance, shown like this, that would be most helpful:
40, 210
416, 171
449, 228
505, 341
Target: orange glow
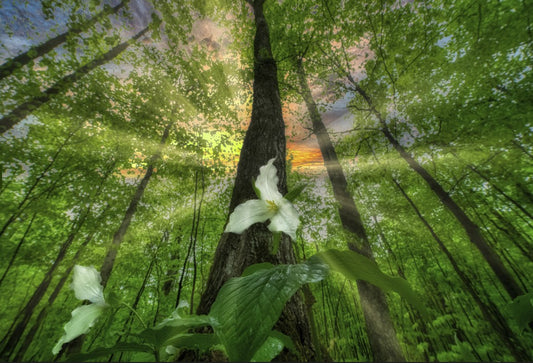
304, 157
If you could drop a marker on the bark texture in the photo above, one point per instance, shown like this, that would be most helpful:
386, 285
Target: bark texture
265, 139
379, 326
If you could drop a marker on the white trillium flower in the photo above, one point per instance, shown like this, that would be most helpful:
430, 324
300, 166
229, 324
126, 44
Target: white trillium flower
86, 286
271, 205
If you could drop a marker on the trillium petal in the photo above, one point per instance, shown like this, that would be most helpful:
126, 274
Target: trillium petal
82, 320
286, 220
86, 284
248, 213
267, 182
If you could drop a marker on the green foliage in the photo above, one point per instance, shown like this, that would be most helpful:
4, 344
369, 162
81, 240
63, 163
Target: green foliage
358, 267
522, 310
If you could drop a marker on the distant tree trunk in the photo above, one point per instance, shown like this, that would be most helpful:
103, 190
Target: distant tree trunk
196, 225
14, 255
109, 259
26, 108
28, 195
28, 339
129, 320
471, 229
24, 316
34, 52
172, 271
380, 329
489, 312
265, 139
75, 345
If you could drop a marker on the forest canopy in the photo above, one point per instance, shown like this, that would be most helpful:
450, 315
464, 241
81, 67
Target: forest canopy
257, 180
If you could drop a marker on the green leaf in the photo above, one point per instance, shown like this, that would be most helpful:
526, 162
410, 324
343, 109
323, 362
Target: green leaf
247, 308
522, 310
256, 267
120, 347
194, 341
358, 267
256, 190
268, 351
276, 238
294, 192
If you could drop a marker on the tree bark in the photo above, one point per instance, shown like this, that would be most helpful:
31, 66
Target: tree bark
380, 329
26, 108
265, 139
22, 59
472, 230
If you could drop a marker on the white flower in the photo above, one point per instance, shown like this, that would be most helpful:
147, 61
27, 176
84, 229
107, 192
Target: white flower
86, 286
282, 214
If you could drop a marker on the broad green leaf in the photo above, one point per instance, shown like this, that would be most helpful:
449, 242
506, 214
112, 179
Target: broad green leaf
268, 351
522, 310
193, 341
274, 344
358, 267
256, 267
247, 308
120, 347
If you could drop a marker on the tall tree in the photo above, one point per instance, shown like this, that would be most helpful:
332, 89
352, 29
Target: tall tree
264, 140
380, 329
23, 110
11, 65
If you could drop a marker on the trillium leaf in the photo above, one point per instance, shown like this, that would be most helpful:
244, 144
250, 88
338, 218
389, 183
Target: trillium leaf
358, 267
247, 308
268, 351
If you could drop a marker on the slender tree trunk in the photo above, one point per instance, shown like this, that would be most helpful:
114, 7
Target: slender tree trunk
24, 316
172, 271
28, 195
380, 329
109, 259
26, 108
28, 339
75, 345
471, 229
265, 139
22, 59
14, 255
195, 240
490, 313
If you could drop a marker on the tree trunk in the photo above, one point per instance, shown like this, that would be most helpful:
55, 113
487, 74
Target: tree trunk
471, 229
26, 108
109, 259
42, 314
380, 329
24, 316
75, 345
489, 312
265, 139
15, 253
21, 60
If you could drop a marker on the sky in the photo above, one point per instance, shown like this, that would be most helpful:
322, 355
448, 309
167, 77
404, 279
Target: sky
22, 24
